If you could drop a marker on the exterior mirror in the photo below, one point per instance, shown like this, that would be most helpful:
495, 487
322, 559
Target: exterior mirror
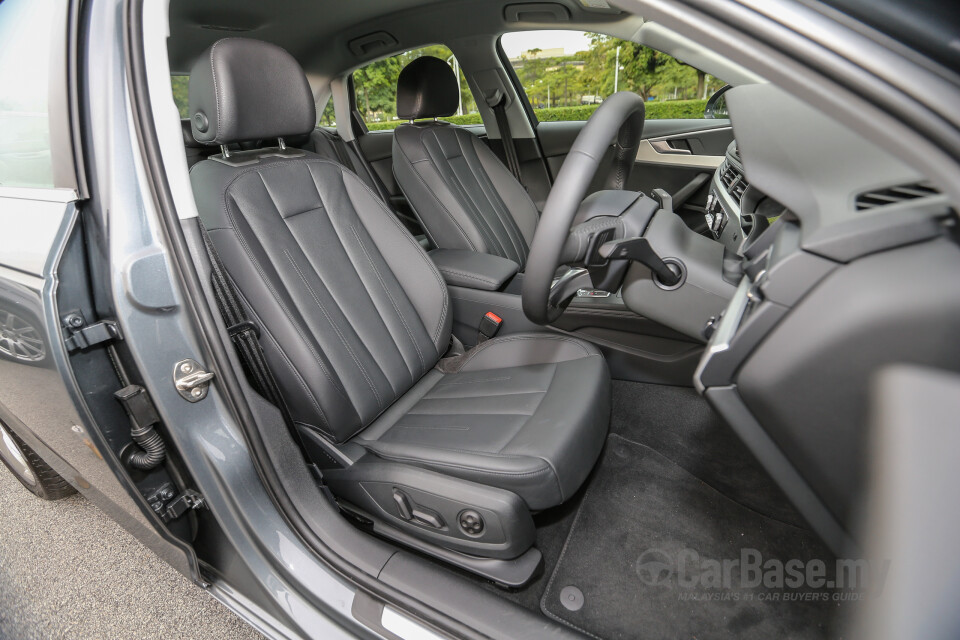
717, 104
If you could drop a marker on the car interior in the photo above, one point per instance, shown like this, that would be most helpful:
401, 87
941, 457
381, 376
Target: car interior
540, 358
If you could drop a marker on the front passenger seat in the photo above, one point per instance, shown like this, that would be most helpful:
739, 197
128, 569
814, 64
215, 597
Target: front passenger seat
464, 196
354, 319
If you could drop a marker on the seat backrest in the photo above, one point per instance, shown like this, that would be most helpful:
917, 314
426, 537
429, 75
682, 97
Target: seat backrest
351, 310
463, 194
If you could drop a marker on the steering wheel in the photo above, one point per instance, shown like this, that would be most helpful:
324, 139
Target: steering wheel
619, 118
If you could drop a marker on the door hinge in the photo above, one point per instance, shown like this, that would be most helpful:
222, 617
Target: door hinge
169, 506
80, 335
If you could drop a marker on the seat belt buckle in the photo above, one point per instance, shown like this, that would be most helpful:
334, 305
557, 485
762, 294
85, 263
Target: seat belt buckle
489, 325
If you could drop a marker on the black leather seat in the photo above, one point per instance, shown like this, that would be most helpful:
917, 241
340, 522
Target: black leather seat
464, 196
355, 318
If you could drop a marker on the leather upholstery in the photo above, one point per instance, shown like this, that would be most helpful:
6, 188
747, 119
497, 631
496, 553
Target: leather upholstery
464, 196
196, 151
242, 89
354, 318
352, 310
473, 270
426, 88
526, 412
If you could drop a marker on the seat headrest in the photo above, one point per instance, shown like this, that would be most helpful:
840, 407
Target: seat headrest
188, 140
242, 89
426, 88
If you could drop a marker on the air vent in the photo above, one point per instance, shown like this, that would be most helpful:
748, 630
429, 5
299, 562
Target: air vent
893, 195
734, 182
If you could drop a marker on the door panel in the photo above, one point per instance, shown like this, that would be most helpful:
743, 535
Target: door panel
673, 154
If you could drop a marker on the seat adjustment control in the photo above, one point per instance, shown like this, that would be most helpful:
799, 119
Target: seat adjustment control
413, 512
403, 504
471, 522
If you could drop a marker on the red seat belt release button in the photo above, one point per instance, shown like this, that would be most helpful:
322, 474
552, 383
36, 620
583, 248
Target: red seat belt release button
489, 325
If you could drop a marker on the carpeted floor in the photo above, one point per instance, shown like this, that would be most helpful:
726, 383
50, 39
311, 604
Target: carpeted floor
631, 554
672, 477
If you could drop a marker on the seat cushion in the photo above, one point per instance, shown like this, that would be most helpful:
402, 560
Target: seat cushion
527, 412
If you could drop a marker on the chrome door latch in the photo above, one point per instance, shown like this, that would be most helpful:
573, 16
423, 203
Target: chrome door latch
191, 380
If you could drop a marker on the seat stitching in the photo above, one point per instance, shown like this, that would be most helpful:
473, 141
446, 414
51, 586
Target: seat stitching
418, 250
276, 296
363, 286
489, 454
336, 329
406, 234
553, 376
431, 192
509, 222
489, 343
450, 465
488, 228
216, 89
476, 216
393, 302
463, 274
303, 385
288, 362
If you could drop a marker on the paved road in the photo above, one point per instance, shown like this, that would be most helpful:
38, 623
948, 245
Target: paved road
69, 572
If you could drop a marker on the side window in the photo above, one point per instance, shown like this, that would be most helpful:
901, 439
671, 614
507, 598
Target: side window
567, 74
180, 86
376, 89
26, 29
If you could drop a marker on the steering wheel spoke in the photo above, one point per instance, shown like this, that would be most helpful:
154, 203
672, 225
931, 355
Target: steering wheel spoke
618, 120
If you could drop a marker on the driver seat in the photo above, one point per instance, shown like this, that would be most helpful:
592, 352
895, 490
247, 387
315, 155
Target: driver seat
355, 319
464, 196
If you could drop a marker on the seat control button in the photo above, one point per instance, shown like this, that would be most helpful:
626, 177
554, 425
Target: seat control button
471, 522
403, 504
427, 517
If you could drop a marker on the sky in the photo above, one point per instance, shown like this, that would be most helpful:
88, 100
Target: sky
517, 42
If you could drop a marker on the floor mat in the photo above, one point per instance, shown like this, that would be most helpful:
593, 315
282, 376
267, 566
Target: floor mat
641, 553
679, 424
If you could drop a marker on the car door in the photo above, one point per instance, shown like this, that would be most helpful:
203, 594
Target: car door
49, 328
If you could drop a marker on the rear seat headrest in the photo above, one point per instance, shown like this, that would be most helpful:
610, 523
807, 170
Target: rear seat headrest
426, 88
243, 89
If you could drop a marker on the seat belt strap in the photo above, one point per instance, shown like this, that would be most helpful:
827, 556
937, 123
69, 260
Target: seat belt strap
244, 333
509, 146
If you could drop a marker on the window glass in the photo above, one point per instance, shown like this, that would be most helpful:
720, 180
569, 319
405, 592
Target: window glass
180, 86
567, 74
376, 89
328, 118
25, 34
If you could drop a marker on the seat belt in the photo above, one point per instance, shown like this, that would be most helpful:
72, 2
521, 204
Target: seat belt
509, 146
245, 334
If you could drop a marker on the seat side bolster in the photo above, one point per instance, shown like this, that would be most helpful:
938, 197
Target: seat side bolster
514, 196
